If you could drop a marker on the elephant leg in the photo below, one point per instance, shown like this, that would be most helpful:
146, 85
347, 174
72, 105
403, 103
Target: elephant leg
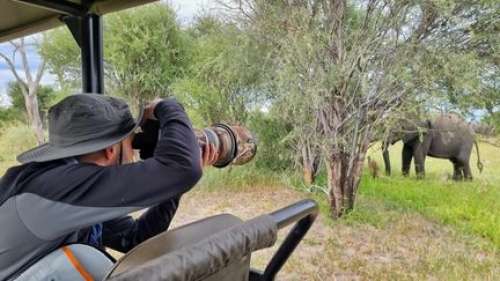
419, 161
467, 172
464, 158
457, 170
407, 156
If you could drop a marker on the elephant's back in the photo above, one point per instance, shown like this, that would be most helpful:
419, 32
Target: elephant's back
451, 136
454, 124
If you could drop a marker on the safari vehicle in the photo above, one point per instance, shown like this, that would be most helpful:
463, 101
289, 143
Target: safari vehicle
215, 248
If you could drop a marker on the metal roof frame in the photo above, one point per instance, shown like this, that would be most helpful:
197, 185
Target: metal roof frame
84, 20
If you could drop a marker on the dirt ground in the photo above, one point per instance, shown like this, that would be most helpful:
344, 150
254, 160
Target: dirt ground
407, 248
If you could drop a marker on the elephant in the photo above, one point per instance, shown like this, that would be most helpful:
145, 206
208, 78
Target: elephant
447, 137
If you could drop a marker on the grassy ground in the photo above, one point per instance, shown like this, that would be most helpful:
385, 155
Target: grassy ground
472, 207
401, 228
375, 242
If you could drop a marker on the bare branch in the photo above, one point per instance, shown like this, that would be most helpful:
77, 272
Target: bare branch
39, 72
13, 70
24, 60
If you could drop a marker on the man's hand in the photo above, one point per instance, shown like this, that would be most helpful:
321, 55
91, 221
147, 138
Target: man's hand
209, 155
149, 110
146, 140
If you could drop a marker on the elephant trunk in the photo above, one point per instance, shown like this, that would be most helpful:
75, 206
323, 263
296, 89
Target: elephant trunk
387, 161
480, 165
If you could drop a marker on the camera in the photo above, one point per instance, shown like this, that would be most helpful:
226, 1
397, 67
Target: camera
235, 144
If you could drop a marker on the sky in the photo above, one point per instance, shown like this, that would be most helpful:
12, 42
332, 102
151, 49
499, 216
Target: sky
186, 10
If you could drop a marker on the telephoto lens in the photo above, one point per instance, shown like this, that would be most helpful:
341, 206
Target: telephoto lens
235, 144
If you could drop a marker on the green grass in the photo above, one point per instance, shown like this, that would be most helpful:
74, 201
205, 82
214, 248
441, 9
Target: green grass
472, 207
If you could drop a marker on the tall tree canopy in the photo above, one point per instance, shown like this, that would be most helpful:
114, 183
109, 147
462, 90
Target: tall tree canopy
224, 79
144, 51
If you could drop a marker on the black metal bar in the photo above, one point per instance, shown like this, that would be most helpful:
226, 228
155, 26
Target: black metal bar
305, 212
294, 212
92, 54
59, 6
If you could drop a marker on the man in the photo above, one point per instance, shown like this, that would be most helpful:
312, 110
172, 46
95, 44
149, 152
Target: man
80, 186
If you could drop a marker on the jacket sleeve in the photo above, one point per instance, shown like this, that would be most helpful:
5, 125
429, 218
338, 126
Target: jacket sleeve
124, 233
73, 196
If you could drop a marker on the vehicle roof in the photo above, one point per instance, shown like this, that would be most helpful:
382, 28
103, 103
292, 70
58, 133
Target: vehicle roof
25, 17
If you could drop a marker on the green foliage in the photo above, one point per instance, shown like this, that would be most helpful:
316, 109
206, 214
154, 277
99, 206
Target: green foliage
146, 51
493, 119
45, 94
15, 137
274, 153
17, 110
62, 56
224, 78
239, 178
7, 115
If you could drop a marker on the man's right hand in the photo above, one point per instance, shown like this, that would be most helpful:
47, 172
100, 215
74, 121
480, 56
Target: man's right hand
149, 110
146, 140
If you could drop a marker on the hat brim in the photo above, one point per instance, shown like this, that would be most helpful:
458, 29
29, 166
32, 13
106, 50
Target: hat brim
48, 152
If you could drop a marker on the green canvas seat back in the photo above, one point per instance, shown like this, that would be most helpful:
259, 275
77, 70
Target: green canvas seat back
215, 248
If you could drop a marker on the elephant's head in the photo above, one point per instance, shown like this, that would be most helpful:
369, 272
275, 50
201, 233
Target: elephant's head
407, 131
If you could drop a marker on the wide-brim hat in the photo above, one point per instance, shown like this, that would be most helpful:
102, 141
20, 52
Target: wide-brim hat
84, 123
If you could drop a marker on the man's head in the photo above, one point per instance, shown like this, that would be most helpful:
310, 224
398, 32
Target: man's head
96, 128
116, 154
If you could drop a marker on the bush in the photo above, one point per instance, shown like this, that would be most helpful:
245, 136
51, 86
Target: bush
272, 153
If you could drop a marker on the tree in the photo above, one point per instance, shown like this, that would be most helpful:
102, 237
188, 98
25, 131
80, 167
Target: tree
223, 81
45, 96
28, 83
144, 52
462, 58
343, 66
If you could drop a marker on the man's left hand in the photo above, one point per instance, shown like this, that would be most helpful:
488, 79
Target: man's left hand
209, 155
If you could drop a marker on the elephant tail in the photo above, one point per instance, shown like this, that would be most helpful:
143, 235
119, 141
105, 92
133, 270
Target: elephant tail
480, 165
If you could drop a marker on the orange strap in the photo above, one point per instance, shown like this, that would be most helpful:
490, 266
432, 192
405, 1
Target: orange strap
76, 264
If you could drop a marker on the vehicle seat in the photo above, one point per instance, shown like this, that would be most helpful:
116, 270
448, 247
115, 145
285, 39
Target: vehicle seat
215, 248
76, 262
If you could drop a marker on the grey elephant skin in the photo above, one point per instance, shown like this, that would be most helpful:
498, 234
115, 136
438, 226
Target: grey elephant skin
447, 137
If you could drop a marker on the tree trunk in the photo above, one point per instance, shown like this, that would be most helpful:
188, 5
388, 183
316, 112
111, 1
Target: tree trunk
343, 176
35, 122
310, 163
308, 176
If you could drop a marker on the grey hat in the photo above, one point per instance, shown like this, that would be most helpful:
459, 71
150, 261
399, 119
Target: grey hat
81, 124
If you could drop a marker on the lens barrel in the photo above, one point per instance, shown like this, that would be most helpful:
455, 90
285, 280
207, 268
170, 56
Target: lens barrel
236, 144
